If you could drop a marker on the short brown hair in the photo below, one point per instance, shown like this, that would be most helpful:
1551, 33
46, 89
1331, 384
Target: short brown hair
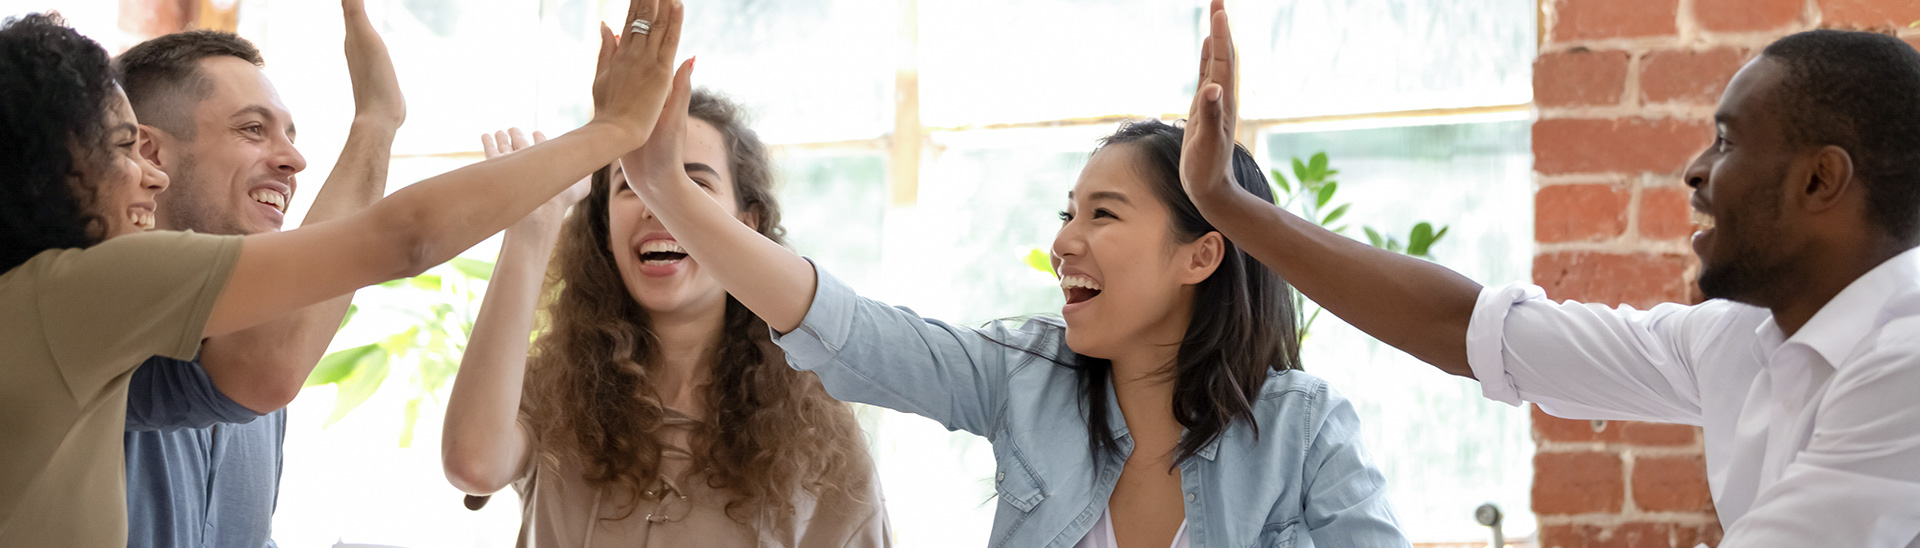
163, 79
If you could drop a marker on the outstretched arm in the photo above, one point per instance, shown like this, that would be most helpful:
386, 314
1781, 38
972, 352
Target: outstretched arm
264, 367
1419, 307
484, 447
429, 222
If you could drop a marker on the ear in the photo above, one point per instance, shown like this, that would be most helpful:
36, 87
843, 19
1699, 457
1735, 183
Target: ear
1199, 258
751, 218
149, 146
1831, 181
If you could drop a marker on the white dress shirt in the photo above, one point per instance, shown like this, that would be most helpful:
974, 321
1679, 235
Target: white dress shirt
1811, 440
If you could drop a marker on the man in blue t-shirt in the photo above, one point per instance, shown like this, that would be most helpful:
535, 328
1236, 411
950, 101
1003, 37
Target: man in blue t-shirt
204, 438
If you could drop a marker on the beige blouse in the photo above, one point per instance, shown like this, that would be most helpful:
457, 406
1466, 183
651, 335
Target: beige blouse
560, 509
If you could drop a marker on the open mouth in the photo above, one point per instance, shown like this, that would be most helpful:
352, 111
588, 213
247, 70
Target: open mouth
141, 218
269, 198
1079, 288
1702, 222
661, 252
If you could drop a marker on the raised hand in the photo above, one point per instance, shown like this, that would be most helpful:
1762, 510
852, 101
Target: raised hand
548, 215
652, 167
635, 70
1206, 156
376, 89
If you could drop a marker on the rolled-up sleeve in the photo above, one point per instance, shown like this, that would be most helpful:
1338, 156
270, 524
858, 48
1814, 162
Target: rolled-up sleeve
865, 351
1588, 361
169, 394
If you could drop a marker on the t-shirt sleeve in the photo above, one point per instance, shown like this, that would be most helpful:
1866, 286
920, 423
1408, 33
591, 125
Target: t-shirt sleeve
168, 394
107, 308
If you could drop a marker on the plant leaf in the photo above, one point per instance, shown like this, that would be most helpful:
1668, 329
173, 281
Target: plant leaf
1039, 259
351, 310
339, 365
407, 421
472, 268
1420, 239
356, 388
1280, 181
1300, 172
429, 282
1318, 165
1326, 194
1437, 236
1374, 238
1337, 213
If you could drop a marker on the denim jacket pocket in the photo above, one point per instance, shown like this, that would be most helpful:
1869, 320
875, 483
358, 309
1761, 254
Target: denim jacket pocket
1015, 480
1280, 535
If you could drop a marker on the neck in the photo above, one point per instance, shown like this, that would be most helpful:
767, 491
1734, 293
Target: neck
1823, 277
685, 340
1143, 387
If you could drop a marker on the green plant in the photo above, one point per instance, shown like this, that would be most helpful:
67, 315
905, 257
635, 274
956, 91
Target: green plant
435, 313
1310, 193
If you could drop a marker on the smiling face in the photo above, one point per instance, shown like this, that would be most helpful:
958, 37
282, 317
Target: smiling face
1129, 282
1746, 241
125, 184
657, 271
235, 175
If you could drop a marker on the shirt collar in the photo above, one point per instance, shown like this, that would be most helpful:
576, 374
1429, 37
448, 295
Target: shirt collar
1839, 326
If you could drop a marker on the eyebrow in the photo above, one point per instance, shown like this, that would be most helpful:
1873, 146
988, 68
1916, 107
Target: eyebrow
128, 127
691, 167
1104, 195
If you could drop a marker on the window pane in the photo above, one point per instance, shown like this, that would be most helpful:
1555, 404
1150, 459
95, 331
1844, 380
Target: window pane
1310, 57
811, 71
1443, 448
996, 61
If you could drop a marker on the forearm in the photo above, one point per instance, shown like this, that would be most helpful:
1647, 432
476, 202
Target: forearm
264, 367
1417, 306
772, 281
359, 178
482, 447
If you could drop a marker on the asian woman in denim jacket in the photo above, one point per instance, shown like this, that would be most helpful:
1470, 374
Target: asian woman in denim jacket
1164, 407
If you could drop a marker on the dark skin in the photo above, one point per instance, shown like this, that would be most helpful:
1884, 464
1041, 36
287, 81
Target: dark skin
1792, 225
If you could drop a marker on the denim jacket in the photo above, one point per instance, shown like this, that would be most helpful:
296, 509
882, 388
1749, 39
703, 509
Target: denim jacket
1303, 481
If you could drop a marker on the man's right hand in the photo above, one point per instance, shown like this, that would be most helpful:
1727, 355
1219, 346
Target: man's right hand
376, 88
635, 71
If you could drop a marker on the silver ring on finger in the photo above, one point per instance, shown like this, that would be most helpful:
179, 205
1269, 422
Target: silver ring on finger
641, 27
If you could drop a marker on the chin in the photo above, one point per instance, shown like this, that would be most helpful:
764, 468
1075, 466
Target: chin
1087, 344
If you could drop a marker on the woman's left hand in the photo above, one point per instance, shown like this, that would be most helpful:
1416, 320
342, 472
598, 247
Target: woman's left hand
1206, 156
657, 166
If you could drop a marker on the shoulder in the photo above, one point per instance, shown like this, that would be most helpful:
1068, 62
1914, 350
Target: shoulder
1298, 402
1039, 338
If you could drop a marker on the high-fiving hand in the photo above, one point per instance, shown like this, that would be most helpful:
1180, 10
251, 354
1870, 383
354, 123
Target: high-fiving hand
1206, 156
635, 70
376, 89
548, 215
659, 162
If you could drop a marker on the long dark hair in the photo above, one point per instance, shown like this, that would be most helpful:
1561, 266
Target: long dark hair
771, 432
55, 90
1243, 323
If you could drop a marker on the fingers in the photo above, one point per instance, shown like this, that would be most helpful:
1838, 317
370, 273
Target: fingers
606, 49
1221, 71
641, 10
489, 146
539, 137
669, 37
519, 137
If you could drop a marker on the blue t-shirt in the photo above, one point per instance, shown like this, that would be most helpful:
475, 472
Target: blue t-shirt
202, 470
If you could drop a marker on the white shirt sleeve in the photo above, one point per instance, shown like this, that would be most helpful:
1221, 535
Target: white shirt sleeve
1587, 361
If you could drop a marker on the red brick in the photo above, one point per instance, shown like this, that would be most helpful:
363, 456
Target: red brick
1868, 14
1692, 77
1655, 433
1636, 534
1580, 77
1577, 483
1576, 213
1665, 213
1551, 428
1639, 279
1602, 19
1671, 484
1913, 41
1628, 145
1687, 536
1746, 15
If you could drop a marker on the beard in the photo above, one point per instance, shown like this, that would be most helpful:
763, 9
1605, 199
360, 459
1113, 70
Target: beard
185, 207
1748, 266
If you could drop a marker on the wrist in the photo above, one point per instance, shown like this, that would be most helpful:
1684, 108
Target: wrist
372, 120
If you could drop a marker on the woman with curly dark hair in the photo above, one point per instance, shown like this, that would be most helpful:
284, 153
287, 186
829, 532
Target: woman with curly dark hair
655, 410
88, 293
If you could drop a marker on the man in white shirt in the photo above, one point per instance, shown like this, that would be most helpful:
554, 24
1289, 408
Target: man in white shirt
1803, 368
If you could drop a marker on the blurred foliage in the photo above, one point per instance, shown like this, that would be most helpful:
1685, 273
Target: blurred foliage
437, 310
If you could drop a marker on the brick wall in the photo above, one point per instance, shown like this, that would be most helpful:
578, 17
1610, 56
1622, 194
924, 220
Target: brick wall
1625, 91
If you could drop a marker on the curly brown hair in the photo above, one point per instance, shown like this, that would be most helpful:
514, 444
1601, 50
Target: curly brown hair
591, 400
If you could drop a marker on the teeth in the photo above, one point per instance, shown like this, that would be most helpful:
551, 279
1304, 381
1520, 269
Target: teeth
275, 199
1702, 221
1078, 281
662, 246
140, 218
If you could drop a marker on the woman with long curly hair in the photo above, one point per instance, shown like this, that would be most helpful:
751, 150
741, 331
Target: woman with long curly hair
89, 292
654, 409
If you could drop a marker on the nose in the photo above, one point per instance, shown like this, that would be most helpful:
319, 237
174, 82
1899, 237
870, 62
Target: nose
287, 158
151, 178
1698, 171
1068, 242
